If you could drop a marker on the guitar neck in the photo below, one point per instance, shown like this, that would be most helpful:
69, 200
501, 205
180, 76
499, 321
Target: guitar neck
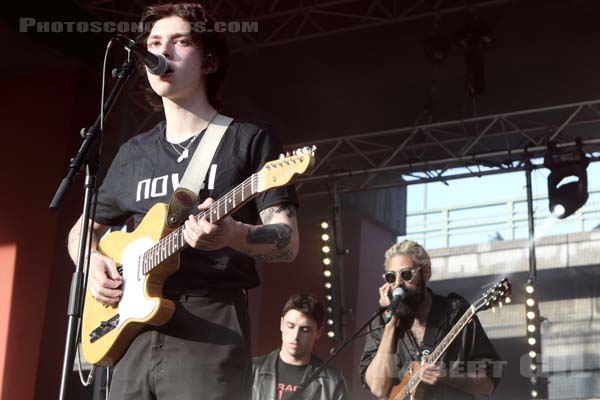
174, 241
441, 348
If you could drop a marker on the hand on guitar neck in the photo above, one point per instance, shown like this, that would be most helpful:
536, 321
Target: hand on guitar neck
201, 234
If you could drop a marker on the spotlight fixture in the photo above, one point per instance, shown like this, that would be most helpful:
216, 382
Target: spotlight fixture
437, 44
567, 182
475, 37
436, 47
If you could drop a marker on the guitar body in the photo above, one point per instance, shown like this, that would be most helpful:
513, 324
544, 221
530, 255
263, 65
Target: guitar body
402, 391
107, 331
149, 255
410, 388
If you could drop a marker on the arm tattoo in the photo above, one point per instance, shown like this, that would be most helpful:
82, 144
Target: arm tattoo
279, 255
277, 234
288, 208
266, 215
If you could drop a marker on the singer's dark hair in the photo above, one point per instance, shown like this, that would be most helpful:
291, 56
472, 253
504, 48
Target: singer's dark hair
203, 34
307, 304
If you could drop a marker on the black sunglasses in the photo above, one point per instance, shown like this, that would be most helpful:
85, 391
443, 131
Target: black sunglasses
407, 275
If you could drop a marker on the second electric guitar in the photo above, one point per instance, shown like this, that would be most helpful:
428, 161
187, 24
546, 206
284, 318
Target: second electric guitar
409, 388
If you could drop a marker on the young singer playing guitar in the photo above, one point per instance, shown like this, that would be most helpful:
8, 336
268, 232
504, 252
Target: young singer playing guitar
203, 351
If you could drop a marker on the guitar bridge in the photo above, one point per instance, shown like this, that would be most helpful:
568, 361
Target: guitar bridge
104, 328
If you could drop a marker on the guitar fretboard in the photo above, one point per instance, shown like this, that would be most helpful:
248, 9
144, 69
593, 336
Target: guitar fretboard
443, 345
174, 241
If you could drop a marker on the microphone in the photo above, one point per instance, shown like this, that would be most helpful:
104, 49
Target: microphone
156, 64
397, 296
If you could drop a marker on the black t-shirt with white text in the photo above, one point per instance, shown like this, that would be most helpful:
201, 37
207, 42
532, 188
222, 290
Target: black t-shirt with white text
289, 376
145, 171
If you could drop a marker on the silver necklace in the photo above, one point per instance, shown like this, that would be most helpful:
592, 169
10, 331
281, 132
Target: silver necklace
185, 153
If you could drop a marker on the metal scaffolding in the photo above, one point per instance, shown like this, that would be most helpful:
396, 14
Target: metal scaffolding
283, 22
431, 152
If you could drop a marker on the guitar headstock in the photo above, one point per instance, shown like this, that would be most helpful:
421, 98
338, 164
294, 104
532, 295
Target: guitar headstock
280, 172
493, 296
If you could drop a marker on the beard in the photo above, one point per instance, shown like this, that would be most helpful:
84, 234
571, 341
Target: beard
408, 307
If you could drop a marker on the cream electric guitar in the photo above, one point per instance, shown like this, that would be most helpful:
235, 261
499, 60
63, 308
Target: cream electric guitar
409, 388
150, 254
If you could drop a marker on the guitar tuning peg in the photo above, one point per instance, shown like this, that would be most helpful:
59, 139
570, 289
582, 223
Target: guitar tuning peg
281, 156
287, 153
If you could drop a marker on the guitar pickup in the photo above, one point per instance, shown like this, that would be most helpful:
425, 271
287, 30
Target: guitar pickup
104, 328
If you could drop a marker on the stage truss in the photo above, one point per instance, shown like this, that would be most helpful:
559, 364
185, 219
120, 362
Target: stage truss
284, 22
484, 145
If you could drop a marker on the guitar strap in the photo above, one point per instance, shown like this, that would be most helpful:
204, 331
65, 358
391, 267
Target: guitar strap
183, 199
434, 322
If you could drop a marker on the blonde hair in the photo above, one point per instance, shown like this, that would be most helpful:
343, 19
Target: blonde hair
409, 248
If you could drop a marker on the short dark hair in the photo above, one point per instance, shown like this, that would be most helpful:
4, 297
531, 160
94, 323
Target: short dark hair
307, 304
207, 39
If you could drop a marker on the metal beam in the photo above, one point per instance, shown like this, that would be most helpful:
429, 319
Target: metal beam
284, 22
425, 149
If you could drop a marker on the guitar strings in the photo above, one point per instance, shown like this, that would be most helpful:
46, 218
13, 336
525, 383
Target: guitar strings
148, 255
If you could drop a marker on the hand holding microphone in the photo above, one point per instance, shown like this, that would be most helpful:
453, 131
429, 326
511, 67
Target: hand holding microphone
392, 305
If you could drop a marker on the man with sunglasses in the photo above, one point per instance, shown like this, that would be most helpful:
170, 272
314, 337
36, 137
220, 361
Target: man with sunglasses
416, 326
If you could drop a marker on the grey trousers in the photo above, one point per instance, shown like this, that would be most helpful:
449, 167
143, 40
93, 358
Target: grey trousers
203, 352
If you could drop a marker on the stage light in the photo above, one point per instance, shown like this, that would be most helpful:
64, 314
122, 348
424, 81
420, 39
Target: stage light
529, 288
533, 367
331, 279
532, 354
534, 393
530, 315
567, 182
475, 37
436, 47
530, 302
533, 380
531, 328
531, 341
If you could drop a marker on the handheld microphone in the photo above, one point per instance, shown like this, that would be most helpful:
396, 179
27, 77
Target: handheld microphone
156, 64
397, 296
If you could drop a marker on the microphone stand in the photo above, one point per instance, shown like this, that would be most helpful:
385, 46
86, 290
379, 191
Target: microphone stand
83, 158
297, 395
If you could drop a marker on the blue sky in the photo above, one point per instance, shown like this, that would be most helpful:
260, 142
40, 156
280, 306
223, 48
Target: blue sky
497, 188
